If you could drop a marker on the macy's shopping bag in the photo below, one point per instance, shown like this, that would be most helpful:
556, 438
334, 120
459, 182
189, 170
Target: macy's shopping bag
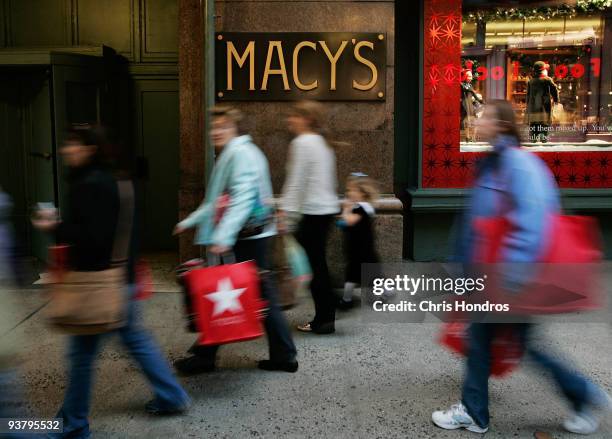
506, 348
567, 277
226, 301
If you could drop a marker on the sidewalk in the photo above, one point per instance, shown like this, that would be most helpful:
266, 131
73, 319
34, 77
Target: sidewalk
364, 381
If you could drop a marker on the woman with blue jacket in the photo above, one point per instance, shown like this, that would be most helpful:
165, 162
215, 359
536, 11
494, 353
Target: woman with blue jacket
241, 172
516, 184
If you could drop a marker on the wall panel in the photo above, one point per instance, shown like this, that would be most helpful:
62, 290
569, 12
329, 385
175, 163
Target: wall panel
3, 28
157, 111
159, 35
39, 22
108, 22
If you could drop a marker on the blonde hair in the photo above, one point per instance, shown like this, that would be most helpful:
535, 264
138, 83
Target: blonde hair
233, 114
314, 112
366, 185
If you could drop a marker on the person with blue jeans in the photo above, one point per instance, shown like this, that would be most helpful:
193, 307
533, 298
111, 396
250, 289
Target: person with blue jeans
241, 172
98, 227
516, 184
82, 352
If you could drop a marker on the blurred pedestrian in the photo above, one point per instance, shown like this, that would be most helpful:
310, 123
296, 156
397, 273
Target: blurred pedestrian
517, 184
310, 190
12, 402
97, 226
240, 175
357, 222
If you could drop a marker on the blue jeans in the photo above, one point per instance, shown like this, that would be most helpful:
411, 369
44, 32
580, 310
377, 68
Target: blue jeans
82, 353
576, 388
12, 402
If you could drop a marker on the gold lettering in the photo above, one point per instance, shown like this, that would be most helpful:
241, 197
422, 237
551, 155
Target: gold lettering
268, 71
333, 59
232, 54
296, 77
367, 63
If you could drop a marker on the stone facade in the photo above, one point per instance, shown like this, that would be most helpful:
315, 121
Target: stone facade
364, 128
364, 131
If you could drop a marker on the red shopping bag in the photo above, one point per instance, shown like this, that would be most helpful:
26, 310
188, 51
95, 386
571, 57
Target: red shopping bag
59, 256
144, 281
567, 277
506, 348
226, 301
573, 239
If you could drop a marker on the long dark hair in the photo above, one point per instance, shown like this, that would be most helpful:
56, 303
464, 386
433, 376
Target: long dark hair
88, 135
110, 153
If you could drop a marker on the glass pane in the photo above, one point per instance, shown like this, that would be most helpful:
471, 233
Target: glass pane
551, 61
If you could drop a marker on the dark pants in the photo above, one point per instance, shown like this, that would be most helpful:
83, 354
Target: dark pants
280, 342
475, 396
312, 234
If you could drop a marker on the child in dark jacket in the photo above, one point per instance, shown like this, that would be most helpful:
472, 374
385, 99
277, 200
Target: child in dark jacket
357, 221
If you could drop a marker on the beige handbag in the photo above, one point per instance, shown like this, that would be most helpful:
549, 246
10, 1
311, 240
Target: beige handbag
88, 302
95, 302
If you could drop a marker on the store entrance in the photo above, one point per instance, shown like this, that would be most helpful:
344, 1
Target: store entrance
41, 94
27, 151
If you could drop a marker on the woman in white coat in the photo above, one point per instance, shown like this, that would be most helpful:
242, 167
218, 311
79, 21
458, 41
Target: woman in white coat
310, 191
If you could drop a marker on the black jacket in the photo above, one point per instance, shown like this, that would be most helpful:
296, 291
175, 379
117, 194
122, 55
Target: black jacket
90, 220
540, 93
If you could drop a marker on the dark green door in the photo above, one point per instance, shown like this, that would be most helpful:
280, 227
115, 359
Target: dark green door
78, 85
27, 150
37, 105
158, 143
13, 169
38, 140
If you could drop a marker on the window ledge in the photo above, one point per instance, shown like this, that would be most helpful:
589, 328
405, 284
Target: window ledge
591, 146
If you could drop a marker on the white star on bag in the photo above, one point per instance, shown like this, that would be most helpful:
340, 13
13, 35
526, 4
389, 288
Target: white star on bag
226, 297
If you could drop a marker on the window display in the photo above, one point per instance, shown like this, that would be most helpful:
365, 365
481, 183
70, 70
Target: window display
552, 61
547, 60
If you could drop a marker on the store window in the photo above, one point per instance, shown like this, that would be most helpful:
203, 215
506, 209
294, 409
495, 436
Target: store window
549, 60
552, 60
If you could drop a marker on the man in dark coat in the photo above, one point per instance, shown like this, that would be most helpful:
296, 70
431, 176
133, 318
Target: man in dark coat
541, 93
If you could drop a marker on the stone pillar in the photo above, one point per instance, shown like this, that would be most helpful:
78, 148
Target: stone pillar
194, 26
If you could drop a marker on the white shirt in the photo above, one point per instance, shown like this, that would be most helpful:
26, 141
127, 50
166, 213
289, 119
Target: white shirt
311, 183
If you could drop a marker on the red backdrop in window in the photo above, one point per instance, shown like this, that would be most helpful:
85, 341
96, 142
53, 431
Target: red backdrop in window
444, 165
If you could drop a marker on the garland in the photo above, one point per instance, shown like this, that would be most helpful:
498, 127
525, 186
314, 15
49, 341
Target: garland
541, 13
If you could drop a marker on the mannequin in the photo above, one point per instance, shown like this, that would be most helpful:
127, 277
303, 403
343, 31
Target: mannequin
541, 93
470, 101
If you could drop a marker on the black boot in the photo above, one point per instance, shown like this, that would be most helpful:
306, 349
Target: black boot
194, 365
284, 366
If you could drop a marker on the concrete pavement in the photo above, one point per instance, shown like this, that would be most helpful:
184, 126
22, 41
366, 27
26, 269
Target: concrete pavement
364, 381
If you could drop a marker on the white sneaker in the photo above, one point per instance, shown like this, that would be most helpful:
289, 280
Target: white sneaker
456, 417
587, 421
581, 423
